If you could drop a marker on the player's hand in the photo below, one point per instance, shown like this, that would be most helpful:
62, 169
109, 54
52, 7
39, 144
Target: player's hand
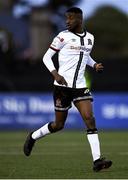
99, 67
60, 79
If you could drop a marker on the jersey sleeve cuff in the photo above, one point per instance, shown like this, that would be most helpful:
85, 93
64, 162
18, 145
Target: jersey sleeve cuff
54, 49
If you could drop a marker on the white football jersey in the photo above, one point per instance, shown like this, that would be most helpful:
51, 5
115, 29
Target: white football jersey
74, 54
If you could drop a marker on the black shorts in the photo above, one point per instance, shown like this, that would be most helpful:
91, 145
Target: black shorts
63, 97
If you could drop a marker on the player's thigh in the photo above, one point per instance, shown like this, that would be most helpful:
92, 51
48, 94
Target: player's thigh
85, 108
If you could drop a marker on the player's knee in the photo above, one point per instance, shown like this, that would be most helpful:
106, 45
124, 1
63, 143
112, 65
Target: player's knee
54, 127
89, 117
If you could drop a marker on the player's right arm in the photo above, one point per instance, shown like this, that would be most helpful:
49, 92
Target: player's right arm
47, 59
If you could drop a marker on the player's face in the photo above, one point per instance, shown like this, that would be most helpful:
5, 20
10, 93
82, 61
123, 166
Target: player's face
73, 21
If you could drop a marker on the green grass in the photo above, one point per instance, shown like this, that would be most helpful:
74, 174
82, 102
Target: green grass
64, 155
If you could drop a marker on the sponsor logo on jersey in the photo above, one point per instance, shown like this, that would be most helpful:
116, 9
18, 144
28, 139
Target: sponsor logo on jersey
80, 48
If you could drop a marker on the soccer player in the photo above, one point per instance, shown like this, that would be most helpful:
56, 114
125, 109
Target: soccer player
73, 46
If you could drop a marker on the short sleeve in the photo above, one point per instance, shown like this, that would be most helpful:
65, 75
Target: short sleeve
58, 42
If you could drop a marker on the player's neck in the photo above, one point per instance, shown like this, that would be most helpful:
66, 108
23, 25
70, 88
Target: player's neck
79, 30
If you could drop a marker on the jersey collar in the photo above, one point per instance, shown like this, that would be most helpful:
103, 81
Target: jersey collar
80, 35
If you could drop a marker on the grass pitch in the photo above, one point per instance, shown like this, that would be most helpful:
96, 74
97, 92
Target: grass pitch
64, 155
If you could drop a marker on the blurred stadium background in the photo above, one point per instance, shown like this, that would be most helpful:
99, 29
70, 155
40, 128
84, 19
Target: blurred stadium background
27, 27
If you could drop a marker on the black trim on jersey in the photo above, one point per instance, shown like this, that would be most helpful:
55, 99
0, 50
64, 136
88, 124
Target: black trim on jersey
79, 62
57, 50
80, 35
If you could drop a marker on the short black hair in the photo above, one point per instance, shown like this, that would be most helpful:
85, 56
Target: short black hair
75, 10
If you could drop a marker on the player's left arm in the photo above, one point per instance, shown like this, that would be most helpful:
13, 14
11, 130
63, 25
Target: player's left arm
97, 66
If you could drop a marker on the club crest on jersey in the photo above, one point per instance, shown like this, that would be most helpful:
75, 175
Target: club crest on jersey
89, 42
